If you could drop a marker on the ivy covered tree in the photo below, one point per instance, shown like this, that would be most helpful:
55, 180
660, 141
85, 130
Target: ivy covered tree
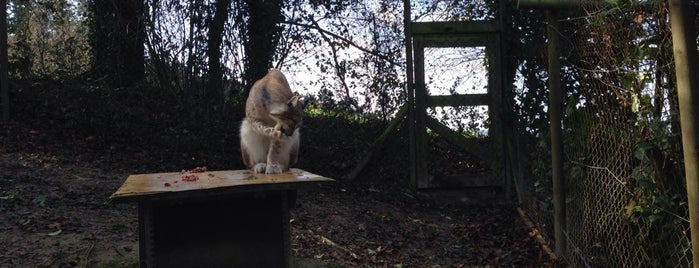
217, 22
261, 36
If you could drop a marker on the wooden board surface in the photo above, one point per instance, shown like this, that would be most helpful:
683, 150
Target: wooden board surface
143, 186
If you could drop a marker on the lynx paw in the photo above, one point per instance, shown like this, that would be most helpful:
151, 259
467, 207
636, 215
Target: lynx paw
273, 133
273, 169
259, 168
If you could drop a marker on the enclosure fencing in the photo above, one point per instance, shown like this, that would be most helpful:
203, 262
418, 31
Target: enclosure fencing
626, 198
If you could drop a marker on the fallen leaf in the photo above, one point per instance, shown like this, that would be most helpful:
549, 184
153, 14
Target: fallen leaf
55, 233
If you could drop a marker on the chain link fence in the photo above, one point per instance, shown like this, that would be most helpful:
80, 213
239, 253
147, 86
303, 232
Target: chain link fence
626, 197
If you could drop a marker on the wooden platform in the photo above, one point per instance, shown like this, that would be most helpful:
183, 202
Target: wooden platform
230, 218
178, 184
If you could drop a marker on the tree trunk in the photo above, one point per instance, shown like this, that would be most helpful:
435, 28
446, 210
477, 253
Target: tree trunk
263, 33
684, 43
4, 90
214, 91
117, 38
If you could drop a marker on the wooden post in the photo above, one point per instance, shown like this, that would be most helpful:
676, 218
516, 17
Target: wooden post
420, 116
685, 54
4, 90
410, 86
555, 115
507, 127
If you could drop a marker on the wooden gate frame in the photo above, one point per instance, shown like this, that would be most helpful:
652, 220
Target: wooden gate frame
455, 34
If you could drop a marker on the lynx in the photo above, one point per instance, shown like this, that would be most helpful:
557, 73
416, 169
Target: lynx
269, 134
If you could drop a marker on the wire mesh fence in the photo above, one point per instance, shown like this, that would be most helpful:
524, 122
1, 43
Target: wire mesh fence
626, 201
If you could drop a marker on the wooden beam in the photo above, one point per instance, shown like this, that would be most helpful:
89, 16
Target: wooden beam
455, 40
410, 88
496, 109
555, 4
457, 139
420, 113
378, 143
686, 64
458, 100
454, 27
563, 4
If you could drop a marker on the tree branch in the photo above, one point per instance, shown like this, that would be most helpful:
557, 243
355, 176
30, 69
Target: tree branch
340, 72
343, 39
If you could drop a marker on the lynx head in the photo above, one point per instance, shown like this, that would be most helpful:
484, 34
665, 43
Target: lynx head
288, 116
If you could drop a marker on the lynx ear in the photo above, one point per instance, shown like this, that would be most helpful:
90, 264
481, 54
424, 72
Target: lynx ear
295, 102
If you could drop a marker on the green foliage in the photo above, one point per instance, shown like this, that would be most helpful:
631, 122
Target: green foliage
317, 112
659, 201
525, 43
40, 200
622, 118
47, 39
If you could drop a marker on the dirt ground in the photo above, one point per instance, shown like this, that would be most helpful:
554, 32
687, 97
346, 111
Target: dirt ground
56, 213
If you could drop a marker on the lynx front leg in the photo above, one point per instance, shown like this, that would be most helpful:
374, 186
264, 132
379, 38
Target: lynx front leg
274, 133
277, 157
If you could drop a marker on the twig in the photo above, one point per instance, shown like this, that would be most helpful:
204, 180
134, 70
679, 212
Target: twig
329, 242
626, 187
88, 253
334, 35
544, 245
339, 71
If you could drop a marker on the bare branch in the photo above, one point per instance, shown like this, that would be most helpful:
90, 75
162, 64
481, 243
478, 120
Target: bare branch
340, 72
343, 39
